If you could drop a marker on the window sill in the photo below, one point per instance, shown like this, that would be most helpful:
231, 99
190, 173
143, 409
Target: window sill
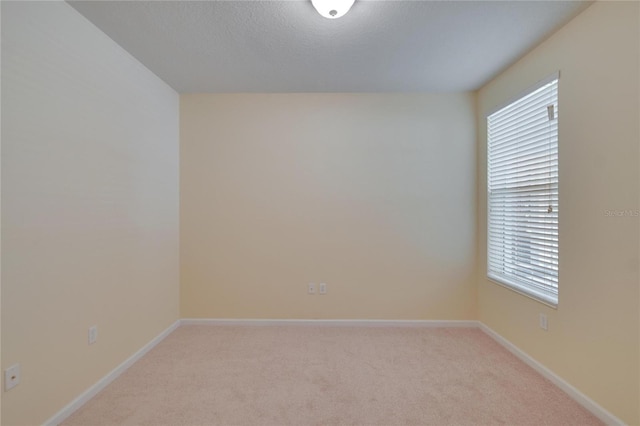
524, 292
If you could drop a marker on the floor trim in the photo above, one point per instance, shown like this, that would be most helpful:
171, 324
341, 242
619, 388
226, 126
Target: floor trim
61, 415
334, 323
574, 393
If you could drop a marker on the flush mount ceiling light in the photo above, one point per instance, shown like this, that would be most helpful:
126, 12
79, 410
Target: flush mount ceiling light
332, 9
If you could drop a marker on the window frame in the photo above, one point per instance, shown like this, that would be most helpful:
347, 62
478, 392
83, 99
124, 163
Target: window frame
523, 288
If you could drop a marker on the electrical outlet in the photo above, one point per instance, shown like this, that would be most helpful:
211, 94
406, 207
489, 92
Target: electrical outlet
311, 288
11, 377
543, 322
322, 288
93, 334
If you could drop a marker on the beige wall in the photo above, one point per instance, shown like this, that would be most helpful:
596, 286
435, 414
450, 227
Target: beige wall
0, 215
373, 194
592, 340
89, 206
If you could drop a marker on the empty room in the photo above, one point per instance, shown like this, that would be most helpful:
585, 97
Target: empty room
320, 212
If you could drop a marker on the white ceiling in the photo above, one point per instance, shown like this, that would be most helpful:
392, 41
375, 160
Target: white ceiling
286, 46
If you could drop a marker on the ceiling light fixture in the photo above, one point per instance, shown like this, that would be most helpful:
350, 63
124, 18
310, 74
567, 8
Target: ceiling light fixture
332, 9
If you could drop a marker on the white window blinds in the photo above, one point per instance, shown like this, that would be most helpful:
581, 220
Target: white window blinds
523, 193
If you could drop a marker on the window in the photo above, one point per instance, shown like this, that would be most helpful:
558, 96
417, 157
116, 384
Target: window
522, 197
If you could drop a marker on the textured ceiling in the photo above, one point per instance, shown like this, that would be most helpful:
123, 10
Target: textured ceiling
286, 46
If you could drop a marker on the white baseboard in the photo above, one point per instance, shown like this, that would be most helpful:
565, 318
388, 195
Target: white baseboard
333, 323
578, 396
574, 393
61, 415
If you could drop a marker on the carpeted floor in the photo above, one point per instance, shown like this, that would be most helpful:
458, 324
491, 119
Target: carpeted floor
311, 375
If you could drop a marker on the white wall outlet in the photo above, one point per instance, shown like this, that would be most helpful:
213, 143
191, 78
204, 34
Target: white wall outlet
543, 322
93, 334
311, 288
322, 288
11, 377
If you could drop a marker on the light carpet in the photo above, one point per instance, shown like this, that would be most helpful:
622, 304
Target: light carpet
312, 375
